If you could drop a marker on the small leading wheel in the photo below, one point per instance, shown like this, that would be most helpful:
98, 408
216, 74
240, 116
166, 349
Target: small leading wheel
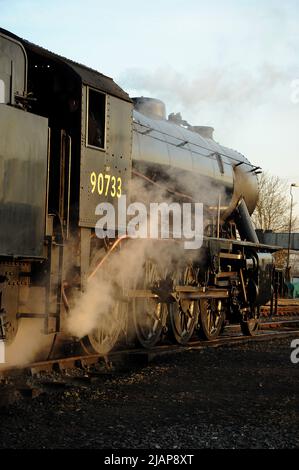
105, 336
211, 318
250, 326
183, 314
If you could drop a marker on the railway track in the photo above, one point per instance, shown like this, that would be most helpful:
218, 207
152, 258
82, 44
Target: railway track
284, 307
116, 360
31, 380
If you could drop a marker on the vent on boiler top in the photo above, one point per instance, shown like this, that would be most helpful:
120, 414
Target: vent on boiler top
204, 131
150, 107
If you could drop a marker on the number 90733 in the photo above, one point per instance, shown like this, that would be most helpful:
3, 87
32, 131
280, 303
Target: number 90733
106, 185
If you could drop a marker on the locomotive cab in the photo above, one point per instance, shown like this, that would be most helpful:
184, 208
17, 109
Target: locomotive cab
90, 135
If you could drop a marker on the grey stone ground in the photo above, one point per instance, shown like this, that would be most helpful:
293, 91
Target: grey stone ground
230, 397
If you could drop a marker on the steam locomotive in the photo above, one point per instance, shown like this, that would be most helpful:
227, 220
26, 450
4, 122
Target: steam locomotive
71, 138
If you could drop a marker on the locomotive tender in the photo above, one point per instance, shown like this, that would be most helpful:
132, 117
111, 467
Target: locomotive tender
71, 138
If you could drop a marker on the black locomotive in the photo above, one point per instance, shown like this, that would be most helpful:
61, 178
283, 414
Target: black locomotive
71, 138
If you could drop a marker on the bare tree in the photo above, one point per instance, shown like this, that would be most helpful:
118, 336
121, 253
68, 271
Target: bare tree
273, 208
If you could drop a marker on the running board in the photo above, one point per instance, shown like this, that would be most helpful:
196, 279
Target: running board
181, 292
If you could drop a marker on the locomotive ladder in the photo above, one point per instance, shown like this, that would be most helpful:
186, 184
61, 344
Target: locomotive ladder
51, 278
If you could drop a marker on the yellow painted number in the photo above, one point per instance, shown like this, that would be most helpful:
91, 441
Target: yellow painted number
100, 183
107, 178
93, 180
106, 184
118, 194
113, 186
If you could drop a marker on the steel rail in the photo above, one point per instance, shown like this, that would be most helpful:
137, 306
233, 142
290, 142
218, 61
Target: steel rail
287, 329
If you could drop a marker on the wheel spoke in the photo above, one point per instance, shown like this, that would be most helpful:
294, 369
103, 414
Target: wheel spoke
183, 314
105, 336
211, 318
148, 314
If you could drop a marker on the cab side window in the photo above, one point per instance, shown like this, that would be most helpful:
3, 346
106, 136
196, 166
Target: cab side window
96, 119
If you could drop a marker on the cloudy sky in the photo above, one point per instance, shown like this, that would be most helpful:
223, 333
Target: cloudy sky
231, 64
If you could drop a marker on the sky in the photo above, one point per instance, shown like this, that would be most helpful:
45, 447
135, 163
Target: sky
233, 65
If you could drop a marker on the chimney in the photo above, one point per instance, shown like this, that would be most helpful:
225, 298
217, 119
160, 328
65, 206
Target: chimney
150, 107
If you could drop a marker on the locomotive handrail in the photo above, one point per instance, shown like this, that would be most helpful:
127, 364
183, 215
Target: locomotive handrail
184, 142
69, 187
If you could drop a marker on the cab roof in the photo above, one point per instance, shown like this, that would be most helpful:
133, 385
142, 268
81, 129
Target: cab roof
87, 75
